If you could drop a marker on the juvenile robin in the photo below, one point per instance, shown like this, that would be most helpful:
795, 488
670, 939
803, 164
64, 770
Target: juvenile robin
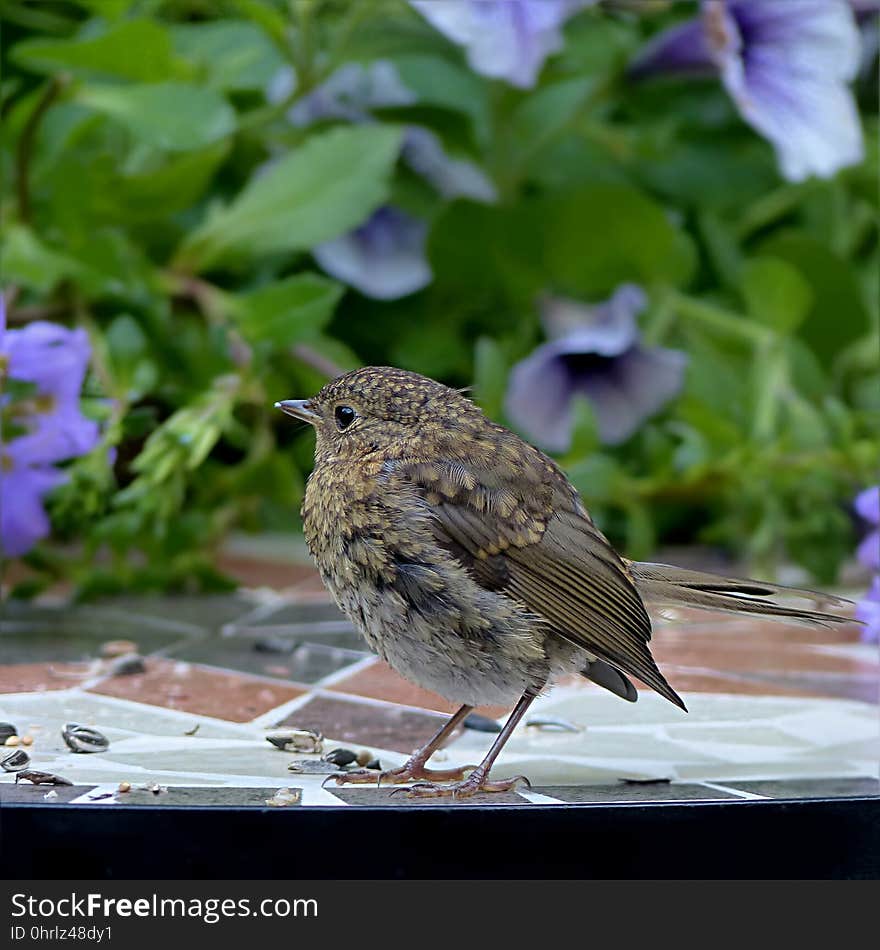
471, 566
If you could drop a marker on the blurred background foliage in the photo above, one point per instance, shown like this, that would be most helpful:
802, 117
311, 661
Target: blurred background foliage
160, 197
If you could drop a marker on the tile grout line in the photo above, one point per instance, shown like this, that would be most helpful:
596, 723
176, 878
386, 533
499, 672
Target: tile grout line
739, 793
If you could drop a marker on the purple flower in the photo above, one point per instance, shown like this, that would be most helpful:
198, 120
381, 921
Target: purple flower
593, 352
868, 611
452, 177
47, 423
504, 39
349, 94
867, 504
786, 66
354, 90
384, 258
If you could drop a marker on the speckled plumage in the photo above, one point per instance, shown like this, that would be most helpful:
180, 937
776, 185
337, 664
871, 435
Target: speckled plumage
470, 564
431, 526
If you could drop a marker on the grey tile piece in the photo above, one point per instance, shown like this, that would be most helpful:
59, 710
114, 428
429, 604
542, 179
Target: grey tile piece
75, 634
204, 796
209, 612
633, 792
305, 663
811, 788
36, 794
302, 615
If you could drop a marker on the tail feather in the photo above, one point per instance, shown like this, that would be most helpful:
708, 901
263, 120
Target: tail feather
665, 584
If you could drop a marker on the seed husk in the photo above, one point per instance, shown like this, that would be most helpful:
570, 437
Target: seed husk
14, 760
84, 738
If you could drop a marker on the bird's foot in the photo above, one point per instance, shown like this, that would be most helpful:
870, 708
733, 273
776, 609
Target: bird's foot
412, 770
477, 781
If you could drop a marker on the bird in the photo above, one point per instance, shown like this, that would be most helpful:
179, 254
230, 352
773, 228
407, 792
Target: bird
470, 564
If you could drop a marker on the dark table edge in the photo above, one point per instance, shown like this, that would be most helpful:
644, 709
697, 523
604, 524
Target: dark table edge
732, 838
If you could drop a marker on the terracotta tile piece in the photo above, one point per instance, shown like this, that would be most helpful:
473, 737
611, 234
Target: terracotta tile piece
379, 681
196, 689
382, 726
40, 677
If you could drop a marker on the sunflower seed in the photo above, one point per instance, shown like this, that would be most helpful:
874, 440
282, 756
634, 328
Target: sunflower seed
297, 740
84, 738
15, 760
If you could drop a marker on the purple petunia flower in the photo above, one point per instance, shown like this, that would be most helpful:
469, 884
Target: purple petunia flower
786, 66
47, 424
867, 504
504, 39
593, 352
868, 611
384, 258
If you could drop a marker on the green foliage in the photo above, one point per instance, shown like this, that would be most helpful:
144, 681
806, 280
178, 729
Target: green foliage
162, 199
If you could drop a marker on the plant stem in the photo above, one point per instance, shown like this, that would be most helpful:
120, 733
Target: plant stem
26, 144
717, 318
326, 367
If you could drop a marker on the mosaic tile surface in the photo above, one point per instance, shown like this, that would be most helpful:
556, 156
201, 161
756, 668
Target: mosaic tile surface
775, 710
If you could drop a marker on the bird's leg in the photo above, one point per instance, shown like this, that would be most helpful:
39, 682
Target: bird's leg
478, 780
414, 767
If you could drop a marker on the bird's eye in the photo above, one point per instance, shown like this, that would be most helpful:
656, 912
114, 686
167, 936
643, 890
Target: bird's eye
344, 416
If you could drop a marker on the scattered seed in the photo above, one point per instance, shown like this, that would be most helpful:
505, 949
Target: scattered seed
11, 741
284, 797
84, 738
275, 645
14, 760
50, 795
27, 740
194, 730
127, 665
341, 757
42, 778
155, 788
297, 740
481, 723
311, 767
124, 787
118, 648
7, 730
552, 723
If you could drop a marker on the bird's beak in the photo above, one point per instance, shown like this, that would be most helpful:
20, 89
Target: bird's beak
299, 409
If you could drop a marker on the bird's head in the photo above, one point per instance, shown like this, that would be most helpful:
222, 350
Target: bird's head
381, 409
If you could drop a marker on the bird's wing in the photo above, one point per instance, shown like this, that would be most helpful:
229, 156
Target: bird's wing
526, 534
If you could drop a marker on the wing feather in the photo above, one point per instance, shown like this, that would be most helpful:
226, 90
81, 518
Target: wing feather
542, 549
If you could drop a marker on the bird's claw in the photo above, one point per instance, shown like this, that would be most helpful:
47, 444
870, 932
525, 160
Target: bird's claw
472, 785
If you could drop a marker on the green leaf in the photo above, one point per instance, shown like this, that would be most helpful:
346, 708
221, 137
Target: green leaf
324, 188
775, 293
600, 236
286, 312
27, 261
171, 115
584, 431
838, 314
547, 110
490, 376
176, 184
438, 82
138, 50
127, 343
232, 54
